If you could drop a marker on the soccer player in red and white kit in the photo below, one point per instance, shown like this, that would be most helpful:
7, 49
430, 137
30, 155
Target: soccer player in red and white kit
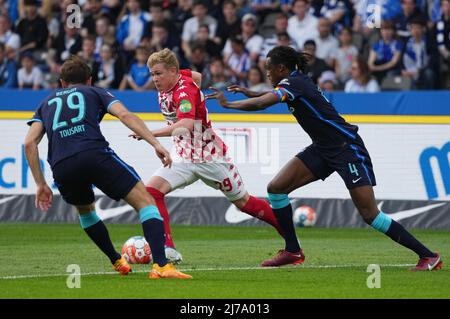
198, 152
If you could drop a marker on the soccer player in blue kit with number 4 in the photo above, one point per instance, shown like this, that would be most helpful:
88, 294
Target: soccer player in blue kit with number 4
336, 147
80, 157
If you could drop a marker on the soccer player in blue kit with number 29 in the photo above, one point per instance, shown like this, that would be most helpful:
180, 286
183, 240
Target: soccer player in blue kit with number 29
336, 147
80, 157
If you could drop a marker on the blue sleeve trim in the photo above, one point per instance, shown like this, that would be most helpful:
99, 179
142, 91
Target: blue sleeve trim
110, 104
29, 122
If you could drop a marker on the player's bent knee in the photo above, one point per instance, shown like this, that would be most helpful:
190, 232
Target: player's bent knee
368, 214
273, 188
278, 200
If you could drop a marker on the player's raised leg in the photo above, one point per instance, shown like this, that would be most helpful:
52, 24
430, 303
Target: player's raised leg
259, 209
153, 227
293, 175
364, 200
98, 233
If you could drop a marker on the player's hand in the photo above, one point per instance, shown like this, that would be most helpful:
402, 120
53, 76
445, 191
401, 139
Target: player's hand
238, 89
44, 197
163, 155
217, 94
135, 136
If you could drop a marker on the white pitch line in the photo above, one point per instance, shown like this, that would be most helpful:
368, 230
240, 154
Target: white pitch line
204, 269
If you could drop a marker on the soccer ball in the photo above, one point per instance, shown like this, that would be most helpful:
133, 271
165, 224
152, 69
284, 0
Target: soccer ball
304, 216
136, 250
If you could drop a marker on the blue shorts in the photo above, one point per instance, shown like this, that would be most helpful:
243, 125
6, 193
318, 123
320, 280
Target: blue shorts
76, 175
352, 163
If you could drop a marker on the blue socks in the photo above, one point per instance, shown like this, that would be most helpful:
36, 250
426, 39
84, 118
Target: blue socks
97, 232
398, 233
153, 227
282, 210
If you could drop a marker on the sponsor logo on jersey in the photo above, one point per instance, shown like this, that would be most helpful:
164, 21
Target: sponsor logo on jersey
185, 106
284, 82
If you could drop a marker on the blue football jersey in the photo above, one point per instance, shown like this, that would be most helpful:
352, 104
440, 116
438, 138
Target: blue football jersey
71, 119
316, 115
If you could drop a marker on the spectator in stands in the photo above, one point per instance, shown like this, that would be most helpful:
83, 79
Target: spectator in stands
282, 38
303, 25
385, 54
202, 38
238, 63
417, 57
215, 75
263, 7
402, 20
157, 17
87, 52
286, 6
228, 25
199, 58
345, 55
253, 41
365, 18
270, 40
361, 81
52, 67
434, 12
32, 29
256, 80
113, 8
108, 71
181, 13
327, 44
56, 24
92, 12
442, 33
316, 66
132, 27
10, 8
334, 11
327, 81
10, 39
67, 43
29, 75
138, 78
104, 35
242, 8
161, 38
8, 70
190, 28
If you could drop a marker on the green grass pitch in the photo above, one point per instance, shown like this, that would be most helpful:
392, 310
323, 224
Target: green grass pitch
224, 262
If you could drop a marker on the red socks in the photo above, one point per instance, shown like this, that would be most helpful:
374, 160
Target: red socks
261, 209
255, 207
159, 199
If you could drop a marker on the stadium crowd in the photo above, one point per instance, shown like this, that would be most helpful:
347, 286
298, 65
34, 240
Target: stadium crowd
350, 48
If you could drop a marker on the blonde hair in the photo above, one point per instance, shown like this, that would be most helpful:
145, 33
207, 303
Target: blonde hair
165, 56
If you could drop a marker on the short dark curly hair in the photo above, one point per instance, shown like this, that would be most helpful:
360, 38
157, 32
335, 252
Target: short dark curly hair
75, 71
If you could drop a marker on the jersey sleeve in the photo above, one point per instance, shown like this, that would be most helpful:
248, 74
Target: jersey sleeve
37, 117
287, 91
185, 100
107, 99
186, 72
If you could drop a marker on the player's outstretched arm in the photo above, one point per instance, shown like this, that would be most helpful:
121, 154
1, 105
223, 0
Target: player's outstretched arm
44, 194
248, 93
253, 104
135, 124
